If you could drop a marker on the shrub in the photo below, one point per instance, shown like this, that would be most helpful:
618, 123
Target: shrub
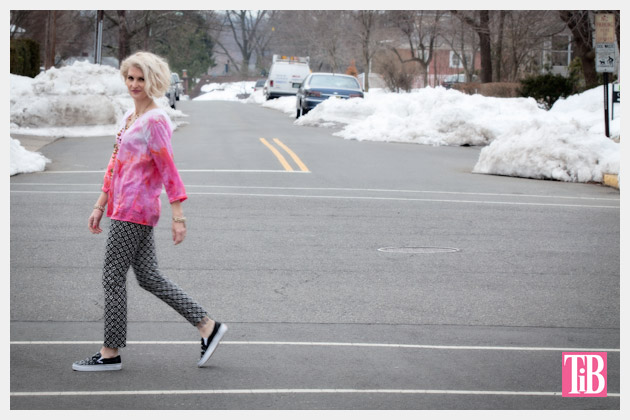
546, 88
24, 57
398, 76
496, 89
352, 69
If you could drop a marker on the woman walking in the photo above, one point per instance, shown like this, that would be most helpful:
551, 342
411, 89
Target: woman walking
141, 163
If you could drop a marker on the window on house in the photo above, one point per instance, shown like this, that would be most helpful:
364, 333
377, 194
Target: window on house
560, 45
455, 60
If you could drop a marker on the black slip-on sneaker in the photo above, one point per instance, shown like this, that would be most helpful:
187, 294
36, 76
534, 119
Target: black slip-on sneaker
96, 363
209, 345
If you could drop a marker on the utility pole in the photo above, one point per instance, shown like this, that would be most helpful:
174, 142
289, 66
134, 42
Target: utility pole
98, 39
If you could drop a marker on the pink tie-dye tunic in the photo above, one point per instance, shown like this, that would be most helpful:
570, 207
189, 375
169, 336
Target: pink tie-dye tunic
144, 162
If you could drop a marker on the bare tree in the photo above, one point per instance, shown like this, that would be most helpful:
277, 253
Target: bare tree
498, 46
367, 20
263, 40
243, 25
323, 35
123, 36
18, 20
461, 38
579, 22
481, 24
295, 33
39, 25
525, 33
421, 29
333, 27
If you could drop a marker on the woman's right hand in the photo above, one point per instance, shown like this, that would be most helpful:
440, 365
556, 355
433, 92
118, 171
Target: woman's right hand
95, 220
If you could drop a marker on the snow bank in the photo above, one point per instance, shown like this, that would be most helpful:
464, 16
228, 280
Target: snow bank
80, 100
23, 160
284, 104
566, 143
66, 101
541, 150
226, 91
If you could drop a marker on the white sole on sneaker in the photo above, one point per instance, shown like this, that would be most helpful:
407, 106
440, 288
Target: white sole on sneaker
213, 345
97, 368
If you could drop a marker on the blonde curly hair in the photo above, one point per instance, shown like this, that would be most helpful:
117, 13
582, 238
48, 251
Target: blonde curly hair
157, 75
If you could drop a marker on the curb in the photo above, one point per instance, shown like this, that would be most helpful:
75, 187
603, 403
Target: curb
611, 180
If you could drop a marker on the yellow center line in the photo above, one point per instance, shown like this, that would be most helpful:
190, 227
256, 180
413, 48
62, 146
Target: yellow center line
295, 157
278, 155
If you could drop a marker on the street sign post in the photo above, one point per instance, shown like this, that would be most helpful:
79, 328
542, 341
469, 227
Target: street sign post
605, 54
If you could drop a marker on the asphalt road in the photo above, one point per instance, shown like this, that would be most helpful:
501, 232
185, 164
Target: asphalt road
371, 276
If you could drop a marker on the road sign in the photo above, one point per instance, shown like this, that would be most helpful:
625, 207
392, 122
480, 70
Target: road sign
604, 28
605, 58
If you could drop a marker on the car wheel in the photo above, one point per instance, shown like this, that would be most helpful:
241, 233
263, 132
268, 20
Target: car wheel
304, 111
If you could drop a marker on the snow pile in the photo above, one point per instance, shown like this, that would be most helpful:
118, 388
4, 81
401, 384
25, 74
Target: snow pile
77, 100
284, 104
256, 97
226, 91
80, 100
23, 161
566, 143
588, 108
564, 152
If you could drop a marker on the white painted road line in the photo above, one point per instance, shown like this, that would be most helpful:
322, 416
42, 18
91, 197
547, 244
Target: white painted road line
245, 187
330, 344
290, 391
338, 197
186, 170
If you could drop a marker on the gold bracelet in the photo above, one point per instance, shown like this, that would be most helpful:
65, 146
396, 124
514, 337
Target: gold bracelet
101, 208
179, 219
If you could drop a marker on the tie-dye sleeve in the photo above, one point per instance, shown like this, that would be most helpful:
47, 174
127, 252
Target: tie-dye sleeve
159, 143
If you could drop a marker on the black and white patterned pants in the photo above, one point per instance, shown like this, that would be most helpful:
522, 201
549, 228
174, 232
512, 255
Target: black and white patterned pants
131, 244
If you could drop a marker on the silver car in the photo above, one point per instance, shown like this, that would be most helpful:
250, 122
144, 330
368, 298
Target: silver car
179, 86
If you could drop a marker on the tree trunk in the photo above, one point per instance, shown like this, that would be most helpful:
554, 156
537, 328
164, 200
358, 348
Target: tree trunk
123, 36
366, 19
498, 52
51, 35
485, 46
578, 21
482, 28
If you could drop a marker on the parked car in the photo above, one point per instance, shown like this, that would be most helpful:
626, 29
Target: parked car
260, 83
317, 87
453, 79
171, 95
285, 76
179, 86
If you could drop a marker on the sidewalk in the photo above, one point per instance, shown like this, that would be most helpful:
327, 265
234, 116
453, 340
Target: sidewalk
33, 143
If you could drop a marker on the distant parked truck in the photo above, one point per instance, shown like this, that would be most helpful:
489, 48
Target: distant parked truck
285, 76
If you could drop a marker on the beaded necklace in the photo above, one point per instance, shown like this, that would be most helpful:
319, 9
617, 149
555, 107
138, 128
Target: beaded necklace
119, 136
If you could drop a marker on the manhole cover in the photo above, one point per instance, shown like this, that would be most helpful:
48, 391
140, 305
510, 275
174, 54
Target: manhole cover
418, 249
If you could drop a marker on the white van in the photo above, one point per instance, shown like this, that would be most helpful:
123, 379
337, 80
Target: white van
285, 76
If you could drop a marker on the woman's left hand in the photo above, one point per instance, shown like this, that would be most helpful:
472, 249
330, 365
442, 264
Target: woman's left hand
179, 232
